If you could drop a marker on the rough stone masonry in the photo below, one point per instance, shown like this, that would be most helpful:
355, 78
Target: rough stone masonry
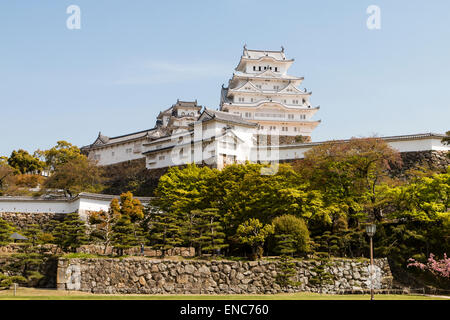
153, 276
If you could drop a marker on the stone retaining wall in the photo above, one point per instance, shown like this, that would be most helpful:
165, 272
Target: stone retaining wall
24, 219
134, 251
148, 276
437, 160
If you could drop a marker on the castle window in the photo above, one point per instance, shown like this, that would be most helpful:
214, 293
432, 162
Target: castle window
260, 68
290, 116
254, 68
276, 69
162, 157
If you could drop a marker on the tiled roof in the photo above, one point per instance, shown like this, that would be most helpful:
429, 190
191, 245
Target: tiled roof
386, 138
262, 76
256, 54
118, 139
226, 116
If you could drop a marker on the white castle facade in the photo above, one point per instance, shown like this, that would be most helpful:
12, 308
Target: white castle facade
262, 102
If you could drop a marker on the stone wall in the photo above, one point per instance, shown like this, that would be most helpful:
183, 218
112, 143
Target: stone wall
148, 276
436, 160
24, 219
134, 251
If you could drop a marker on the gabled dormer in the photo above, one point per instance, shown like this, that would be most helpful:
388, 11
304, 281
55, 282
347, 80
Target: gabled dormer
245, 87
291, 89
101, 140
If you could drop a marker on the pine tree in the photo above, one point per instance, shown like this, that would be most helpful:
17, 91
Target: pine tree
128, 216
286, 270
70, 234
123, 234
33, 233
190, 227
211, 238
5, 231
166, 231
286, 246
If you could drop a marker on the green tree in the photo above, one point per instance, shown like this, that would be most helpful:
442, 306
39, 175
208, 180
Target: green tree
210, 237
293, 229
166, 232
243, 193
183, 190
60, 154
122, 224
191, 228
123, 236
349, 175
424, 199
34, 233
75, 176
254, 233
286, 271
5, 232
23, 162
26, 265
7, 281
70, 234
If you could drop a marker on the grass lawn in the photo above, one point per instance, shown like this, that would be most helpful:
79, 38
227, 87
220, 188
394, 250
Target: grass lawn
51, 294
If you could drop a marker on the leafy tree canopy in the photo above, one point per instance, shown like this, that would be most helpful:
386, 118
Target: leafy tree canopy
77, 175
60, 154
23, 162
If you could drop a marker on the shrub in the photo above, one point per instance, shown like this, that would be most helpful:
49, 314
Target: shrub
295, 227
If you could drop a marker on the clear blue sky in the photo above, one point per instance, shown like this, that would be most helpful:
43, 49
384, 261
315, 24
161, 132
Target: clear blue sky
132, 59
